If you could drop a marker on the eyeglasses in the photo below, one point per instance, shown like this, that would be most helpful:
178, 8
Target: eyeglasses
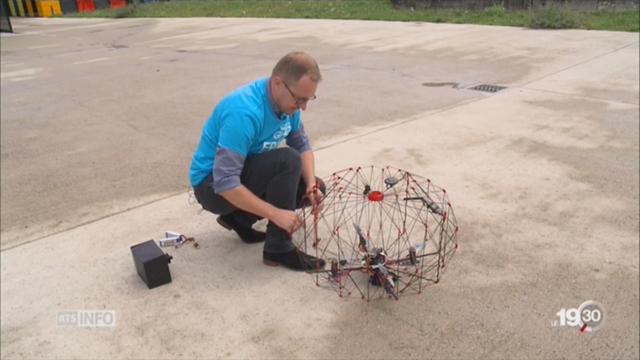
299, 101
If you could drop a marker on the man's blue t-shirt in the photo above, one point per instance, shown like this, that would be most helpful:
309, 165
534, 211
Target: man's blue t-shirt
243, 124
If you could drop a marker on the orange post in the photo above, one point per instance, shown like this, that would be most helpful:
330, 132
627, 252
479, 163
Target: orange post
118, 4
86, 5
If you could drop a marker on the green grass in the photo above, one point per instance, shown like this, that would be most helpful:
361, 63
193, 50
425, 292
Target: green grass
551, 18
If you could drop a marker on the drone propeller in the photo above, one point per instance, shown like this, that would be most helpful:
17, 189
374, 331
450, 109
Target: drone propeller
386, 278
364, 244
431, 205
412, 258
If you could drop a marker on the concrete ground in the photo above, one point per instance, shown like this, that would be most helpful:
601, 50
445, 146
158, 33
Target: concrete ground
99, 119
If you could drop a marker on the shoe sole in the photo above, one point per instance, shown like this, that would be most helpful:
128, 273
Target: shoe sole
275, 263
223, 223
270, 263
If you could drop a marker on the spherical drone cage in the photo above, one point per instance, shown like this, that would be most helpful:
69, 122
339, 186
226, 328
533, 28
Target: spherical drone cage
382, 231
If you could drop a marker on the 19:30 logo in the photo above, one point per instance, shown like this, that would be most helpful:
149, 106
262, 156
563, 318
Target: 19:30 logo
588, 317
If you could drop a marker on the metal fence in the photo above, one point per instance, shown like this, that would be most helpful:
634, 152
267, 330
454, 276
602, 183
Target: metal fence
586, 5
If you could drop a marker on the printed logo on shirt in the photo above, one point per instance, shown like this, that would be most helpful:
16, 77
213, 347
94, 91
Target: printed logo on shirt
269, 145
285, 129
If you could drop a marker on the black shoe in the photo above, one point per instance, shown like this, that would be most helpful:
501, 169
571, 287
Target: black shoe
294, 259
246, 233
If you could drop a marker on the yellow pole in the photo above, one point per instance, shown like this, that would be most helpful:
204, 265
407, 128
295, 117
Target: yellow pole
20, 8
29, 8
12, 8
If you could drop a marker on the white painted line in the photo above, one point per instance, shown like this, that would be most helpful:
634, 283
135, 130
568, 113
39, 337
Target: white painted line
20, 73
25, 78
196, 47
70, 28
8, 63
91, 61
43, 46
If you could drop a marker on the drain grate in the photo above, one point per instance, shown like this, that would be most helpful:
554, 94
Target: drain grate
488, 88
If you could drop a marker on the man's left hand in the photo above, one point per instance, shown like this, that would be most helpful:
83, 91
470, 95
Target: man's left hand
315, 196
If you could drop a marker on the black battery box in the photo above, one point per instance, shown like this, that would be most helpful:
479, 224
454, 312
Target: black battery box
151, 263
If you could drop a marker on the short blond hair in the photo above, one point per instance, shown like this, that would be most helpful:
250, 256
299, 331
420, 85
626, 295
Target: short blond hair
293, 66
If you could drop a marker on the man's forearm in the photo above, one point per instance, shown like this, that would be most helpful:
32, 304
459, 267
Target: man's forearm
244, 199
308, 168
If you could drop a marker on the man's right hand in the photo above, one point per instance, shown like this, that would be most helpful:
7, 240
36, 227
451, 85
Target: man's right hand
286, 220
244, 199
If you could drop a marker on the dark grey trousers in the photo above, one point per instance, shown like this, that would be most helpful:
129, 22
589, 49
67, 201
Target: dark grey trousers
275, 177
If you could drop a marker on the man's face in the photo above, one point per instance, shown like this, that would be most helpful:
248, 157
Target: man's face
291, 97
